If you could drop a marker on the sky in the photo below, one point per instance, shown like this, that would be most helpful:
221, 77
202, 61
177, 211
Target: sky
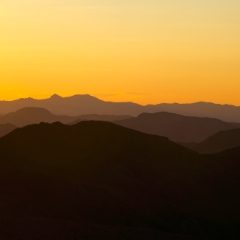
144, 51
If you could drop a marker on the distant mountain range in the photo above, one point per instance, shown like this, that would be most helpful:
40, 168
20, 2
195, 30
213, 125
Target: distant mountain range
217, 143
72, 106
176, 127
33, 115
55, 177
86, 104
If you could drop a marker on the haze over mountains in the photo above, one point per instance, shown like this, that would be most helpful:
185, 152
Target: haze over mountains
101, 173
176, 127
72, 106
218, 142
86, 104
33, 115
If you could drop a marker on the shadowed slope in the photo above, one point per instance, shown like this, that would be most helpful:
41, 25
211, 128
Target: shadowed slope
176, 127
6, 128
107, 174
218, 142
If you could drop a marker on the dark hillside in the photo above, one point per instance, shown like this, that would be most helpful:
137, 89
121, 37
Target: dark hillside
6, 128
176, 127
32, 115
217, 143
101, 173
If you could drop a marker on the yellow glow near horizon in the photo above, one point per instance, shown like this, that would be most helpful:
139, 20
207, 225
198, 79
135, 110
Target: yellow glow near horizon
130, 50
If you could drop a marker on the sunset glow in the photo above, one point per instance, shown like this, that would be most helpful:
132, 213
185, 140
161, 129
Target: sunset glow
130, 50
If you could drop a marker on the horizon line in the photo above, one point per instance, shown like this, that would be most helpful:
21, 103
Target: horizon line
93, 96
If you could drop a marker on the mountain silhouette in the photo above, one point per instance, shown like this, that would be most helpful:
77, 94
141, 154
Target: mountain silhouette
217, 143
176, 127
6, 128
34, 115
85, 104
73, 106
228, 113
101, 173
105, 118
31, 115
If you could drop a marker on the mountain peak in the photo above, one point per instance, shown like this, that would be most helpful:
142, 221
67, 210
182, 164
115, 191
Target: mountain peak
55, 96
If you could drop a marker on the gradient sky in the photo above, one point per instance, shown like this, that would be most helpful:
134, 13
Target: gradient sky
146, 51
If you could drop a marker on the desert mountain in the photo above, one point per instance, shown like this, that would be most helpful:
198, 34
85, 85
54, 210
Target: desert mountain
218, 142
6, 128
34, 115
86, 104
58, 176
176, 127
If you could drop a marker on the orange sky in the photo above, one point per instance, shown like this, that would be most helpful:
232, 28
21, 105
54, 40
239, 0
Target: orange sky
130, 50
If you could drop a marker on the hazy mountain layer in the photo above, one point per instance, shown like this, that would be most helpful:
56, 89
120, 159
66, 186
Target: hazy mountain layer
106, 118
86, 104
176, 127
73, 106
217, 143
33, 115
105, 174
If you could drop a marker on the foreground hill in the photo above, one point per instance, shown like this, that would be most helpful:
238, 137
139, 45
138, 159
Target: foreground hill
176, 127
86, 104
218, 142
34, 115
22, 228
55, 177
6, 128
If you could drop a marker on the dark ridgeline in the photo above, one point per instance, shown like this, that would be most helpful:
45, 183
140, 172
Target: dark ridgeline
97, 180
96, 117
86, 104
6, 128
34, 115
217, 143
176, 127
